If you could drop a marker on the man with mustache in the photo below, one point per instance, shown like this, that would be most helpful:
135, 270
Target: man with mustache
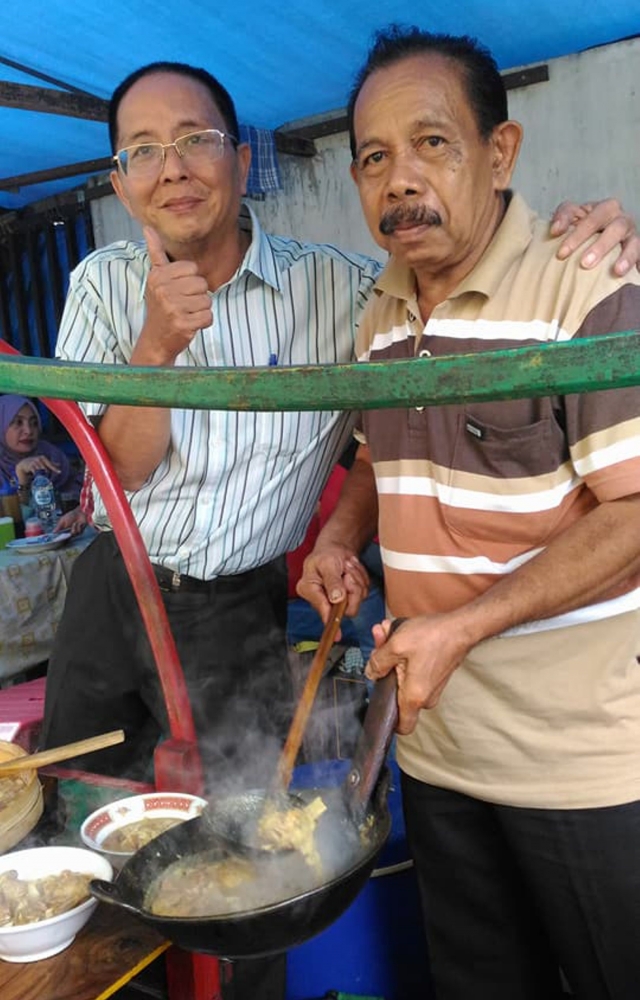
408, 216
510, 538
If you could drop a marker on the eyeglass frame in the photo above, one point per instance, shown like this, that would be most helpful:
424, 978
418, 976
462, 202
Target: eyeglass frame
168, 145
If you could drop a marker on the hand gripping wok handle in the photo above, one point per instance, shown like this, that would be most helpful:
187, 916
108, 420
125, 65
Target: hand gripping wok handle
379, 725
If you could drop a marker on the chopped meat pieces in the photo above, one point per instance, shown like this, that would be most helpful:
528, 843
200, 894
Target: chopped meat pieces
25, 901
294, 828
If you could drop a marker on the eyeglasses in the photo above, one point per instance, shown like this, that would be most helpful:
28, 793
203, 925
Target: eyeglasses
146, 159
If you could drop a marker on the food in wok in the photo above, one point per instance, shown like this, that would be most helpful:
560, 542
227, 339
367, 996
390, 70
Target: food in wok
25, 901
208, 885
197, 887
312, 843
293, 829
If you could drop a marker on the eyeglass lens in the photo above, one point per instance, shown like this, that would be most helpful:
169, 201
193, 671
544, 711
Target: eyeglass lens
195, 147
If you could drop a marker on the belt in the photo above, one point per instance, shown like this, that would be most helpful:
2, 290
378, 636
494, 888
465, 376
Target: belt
170, 581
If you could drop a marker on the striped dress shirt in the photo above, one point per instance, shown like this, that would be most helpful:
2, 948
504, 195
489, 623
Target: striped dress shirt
235, 489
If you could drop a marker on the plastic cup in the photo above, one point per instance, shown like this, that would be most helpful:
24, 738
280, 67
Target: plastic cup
7, 531
11, 506
33, 527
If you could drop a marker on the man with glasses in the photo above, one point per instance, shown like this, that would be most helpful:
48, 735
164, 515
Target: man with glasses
219, 497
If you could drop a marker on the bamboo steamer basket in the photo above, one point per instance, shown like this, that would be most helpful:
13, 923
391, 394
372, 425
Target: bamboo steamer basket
21, 802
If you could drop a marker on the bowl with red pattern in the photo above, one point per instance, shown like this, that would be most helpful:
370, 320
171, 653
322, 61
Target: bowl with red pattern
121, 828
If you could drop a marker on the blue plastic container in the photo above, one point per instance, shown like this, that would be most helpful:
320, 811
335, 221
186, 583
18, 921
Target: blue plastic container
377, 947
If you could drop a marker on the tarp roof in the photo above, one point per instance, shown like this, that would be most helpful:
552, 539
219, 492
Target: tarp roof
281, 62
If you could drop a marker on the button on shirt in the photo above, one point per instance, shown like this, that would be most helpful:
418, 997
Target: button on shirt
236, 489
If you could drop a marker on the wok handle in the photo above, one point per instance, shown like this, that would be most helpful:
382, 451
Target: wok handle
373, 745
107, 892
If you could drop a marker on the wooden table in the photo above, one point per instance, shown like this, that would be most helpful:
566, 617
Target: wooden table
114, 946
109, 951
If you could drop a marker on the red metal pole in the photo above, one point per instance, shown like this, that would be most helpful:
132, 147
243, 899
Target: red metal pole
194, 976
177, 759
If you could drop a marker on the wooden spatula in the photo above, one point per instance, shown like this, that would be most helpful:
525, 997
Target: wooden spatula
56, 754
305, 704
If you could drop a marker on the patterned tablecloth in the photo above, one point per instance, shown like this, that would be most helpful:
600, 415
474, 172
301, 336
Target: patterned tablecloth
33, 588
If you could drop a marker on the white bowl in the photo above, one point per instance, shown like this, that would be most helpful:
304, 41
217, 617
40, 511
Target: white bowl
43, 938
170, 805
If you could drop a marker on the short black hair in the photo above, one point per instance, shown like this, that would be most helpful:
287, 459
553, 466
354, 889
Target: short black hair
485, 87
221, 96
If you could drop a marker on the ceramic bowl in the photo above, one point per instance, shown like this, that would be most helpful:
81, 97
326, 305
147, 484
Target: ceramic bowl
153, 805
43, 938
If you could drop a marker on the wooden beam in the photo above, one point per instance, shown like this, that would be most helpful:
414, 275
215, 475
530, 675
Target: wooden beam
525, 77
294, 144
56, 173
36, 74
333, 124
284, 144
317, 130
24, 97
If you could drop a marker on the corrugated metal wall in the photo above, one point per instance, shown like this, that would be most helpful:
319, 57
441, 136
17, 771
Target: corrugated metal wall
37, 252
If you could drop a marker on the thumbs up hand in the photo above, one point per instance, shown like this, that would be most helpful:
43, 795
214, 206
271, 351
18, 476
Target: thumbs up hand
157, 256
178, 305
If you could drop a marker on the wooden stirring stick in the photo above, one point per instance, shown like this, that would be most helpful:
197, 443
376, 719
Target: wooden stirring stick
305, 704
56, 754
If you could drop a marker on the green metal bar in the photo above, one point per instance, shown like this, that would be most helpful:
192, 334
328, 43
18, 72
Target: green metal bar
605, 362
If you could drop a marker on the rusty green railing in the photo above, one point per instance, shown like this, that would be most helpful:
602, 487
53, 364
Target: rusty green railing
578, 366
605, 362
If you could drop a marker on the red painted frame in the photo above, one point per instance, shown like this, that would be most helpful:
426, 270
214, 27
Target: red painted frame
177, 760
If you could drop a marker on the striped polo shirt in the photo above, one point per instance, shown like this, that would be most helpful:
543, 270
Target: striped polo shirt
543, 716
236, 489
484, 486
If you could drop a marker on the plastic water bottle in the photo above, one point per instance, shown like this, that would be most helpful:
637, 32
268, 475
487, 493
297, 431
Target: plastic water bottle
44, 501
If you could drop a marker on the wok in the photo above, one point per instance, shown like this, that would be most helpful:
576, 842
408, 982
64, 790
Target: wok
264, 930
349, 836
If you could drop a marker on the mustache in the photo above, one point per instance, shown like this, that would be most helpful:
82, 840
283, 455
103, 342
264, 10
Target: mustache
414, 215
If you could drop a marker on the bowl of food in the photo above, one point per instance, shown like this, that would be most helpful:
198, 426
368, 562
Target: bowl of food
121, 828
45, 899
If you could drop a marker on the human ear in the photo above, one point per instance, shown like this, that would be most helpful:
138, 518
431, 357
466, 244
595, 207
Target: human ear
243, 152
506, 139
118, 187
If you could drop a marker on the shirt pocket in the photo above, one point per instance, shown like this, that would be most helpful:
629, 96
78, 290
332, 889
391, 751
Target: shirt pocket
499, 472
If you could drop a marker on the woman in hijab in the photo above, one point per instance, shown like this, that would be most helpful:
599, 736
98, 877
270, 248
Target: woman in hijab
23, 452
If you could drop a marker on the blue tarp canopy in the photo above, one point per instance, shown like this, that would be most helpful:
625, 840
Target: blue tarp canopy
281, 62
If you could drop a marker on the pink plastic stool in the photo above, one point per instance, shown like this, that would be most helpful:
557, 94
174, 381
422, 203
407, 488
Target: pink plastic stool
21, 713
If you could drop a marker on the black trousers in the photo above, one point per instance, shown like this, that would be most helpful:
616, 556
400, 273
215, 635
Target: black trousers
231, 642
512, 895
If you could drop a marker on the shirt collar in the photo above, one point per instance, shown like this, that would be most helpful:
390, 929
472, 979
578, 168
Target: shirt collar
259, 258
509, 242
